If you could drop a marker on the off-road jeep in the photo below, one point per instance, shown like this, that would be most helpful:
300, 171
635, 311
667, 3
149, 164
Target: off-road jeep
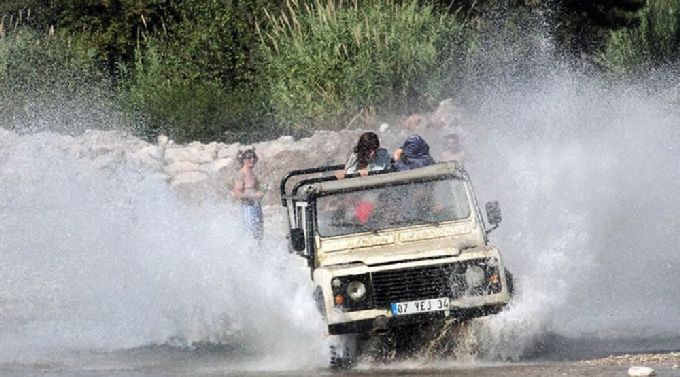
395, 250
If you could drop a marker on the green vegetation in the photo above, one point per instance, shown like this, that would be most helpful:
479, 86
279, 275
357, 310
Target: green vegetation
584, 26
198, 80
325, 62
654, 43
252, 69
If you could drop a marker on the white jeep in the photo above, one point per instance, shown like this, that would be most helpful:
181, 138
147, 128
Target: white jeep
397, 250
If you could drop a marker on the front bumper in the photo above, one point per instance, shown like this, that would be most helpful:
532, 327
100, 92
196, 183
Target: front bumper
383, 323
416, 280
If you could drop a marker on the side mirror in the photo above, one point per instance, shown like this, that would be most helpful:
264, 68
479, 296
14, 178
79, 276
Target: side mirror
493, 214
297, 239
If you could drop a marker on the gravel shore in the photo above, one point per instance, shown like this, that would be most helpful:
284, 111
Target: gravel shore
669, 360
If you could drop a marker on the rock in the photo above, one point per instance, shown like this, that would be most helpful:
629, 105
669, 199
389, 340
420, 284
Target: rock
227, 151
189, 178
158, 176
413, 122
641, 371
208, 168
200, 169
149, 156
194, 154
163, 140
151, 151
109, 160
447, 114
180, 167
222, 163
272, 149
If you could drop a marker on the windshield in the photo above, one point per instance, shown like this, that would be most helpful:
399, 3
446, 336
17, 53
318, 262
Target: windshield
392, 207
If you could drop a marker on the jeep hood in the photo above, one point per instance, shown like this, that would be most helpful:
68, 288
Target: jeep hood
389, 247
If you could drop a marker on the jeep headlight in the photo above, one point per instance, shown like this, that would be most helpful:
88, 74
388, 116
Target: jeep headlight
356, 290
352, 292
474, 276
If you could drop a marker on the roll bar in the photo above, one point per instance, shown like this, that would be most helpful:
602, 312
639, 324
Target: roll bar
293, 173
326, 178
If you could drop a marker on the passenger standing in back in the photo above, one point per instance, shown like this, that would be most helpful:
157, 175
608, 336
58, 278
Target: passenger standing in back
367, 156
247, 190
416, 201
453, 151
413, 154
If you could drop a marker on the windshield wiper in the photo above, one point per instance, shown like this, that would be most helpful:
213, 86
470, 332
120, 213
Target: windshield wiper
345, 225
429, 221
417, 221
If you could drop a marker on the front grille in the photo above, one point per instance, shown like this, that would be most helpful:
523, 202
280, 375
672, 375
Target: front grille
418, 283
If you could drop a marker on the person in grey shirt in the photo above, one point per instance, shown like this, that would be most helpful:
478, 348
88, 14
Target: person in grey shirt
367, 156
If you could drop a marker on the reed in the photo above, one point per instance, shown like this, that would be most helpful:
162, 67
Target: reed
328, 58
655, 42
14, 21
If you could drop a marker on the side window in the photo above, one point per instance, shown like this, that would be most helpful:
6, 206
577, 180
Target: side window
300, 215
298, 230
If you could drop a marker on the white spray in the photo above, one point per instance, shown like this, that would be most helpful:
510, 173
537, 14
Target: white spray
113, 259
587, 176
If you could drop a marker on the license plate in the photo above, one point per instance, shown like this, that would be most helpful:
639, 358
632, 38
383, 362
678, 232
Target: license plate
420, 306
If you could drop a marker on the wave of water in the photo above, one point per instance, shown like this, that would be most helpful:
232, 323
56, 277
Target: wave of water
111, 259
587, 175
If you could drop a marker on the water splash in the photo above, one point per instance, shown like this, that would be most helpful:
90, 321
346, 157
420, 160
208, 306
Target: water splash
586, 174
111, 259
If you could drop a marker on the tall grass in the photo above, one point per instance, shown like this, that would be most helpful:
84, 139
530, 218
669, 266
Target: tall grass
250, 70
195, 81
159, 100
655, 42
329, 59
160, 103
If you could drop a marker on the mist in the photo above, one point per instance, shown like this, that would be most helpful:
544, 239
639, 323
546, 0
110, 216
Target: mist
586, 173
109, 259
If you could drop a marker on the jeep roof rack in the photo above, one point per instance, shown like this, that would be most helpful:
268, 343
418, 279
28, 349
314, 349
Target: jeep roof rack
300, 172
324, 178
429, 173
329, 183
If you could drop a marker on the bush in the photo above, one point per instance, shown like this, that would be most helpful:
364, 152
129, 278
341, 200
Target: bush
655, 42
326, 61
196, 80
160, 101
